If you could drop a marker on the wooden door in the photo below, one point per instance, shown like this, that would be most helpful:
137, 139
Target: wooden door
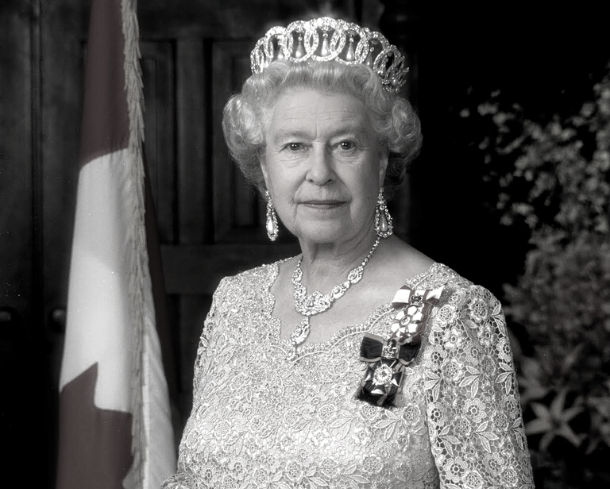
24, 350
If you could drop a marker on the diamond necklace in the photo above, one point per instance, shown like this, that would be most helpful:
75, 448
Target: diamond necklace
316, 303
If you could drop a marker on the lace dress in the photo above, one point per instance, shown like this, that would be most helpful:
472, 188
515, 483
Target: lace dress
260, 420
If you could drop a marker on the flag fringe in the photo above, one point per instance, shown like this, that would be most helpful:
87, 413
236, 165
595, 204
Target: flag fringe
140, 283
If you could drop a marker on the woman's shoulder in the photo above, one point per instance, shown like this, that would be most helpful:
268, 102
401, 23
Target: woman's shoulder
253, 278
403, 264
460, 299
458, 292
439, 275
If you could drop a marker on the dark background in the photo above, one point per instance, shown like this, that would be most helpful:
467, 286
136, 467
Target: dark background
542, 55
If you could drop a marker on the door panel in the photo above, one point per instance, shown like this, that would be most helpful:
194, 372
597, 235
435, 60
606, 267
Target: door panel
157, 64
194, 142
20, 339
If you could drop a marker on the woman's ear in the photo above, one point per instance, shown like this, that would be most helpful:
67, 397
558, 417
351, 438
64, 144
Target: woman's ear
383, 165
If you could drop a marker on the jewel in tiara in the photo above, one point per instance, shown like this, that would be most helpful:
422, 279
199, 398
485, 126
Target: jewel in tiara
327, 39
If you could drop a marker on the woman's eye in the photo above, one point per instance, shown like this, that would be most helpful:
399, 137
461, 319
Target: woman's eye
295, 146
347, 145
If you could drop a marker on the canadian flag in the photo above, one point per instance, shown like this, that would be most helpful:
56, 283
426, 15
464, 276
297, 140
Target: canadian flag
115, 420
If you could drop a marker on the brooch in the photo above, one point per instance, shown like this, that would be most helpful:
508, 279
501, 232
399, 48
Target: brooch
386, 359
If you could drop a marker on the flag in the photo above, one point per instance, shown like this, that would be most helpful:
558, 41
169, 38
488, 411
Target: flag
115, 426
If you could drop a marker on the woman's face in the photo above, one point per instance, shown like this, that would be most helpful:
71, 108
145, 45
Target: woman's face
322, 165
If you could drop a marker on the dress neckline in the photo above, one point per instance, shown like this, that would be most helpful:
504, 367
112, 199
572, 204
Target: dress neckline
309, 348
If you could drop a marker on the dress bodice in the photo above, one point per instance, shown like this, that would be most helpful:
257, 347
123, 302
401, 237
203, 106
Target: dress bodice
261, 419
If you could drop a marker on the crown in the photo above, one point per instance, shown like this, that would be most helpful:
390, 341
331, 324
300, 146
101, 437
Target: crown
327, 39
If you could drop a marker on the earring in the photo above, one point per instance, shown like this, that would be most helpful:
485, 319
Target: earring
383, 220
271, 223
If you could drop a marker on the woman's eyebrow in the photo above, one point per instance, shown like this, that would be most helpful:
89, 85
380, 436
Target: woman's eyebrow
356, 130
284, 133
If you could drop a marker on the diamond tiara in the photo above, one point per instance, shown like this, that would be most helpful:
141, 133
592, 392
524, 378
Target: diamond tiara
327, 39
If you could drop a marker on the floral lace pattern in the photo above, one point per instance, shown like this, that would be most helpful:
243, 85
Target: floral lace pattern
261, 420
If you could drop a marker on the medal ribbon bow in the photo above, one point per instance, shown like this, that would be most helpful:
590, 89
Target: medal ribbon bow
387, 358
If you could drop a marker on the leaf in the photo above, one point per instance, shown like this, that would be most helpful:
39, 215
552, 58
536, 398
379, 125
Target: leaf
343, 431
389, 414
435, 392
306, 428
505, 366
540, 410
468, 380
571, 358
546, 440
359, 479
485, 443
384, 423
570, 413
566, 432
538, 426
449, 449
474, 388
454, 440
338, 423
390, 431
471, 324
601, 405
557, 403
519, 439
239, 445
490, 436
318, 481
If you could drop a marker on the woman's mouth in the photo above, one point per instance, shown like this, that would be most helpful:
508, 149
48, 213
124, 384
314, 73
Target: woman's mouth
323, 204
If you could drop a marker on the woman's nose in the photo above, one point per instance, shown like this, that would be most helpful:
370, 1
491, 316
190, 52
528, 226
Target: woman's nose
320, 170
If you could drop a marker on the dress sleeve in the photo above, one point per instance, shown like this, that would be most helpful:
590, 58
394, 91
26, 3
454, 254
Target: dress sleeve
473, 411
209, 325
183, 479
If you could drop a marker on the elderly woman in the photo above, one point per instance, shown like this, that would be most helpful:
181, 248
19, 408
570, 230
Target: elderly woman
360, 362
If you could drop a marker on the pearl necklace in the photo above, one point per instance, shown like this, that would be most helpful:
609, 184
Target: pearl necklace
316, 303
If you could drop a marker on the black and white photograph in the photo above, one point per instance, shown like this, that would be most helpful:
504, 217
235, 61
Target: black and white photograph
278, 244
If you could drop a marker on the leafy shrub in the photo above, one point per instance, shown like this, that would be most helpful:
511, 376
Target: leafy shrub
553, 176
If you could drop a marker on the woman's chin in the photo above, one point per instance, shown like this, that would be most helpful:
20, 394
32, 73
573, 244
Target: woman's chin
322, 234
